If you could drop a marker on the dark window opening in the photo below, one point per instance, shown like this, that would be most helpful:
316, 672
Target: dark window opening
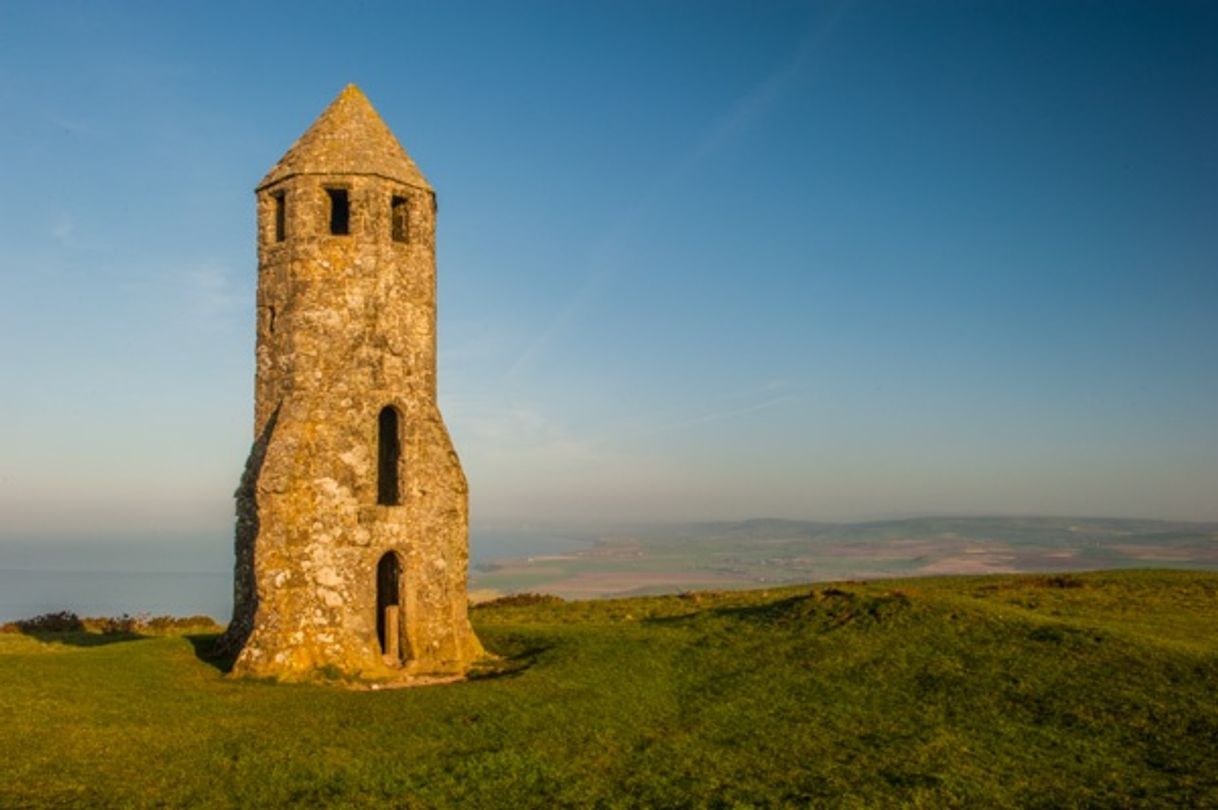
270, 320
340, 212
388, 608
399, 208
389, 453
281, 217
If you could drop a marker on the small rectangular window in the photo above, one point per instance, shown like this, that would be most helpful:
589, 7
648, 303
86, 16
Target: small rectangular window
399, 208
340, 212
281, 217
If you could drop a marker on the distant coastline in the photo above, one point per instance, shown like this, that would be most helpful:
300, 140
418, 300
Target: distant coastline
630, 559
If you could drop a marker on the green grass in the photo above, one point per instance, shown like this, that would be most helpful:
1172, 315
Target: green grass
1089, 690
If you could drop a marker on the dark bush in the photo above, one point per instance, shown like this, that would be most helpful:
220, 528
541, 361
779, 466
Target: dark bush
123, 625
1058, 581
523, 600
160, 624
65, 621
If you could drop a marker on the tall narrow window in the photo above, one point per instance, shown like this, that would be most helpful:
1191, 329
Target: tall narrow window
399, 218
389, 454
340, 211
281, 216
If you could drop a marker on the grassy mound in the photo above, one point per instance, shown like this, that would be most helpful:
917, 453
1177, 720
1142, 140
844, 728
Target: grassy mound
1098, 690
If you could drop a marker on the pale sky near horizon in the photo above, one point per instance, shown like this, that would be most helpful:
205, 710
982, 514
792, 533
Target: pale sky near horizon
696, 260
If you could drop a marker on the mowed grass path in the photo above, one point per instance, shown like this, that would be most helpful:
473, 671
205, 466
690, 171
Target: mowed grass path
1094, 690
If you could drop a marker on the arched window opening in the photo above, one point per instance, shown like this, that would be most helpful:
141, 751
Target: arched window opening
389, 608
389, 457
340, 211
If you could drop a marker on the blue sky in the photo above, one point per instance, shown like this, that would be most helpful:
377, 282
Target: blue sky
697, 260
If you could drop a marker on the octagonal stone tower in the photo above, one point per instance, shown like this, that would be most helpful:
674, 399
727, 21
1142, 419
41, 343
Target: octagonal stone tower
352, 517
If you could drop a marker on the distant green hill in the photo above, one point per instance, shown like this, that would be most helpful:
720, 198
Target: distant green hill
1098, 690
668, 558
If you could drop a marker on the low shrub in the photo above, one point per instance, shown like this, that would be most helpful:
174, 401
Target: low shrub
65, 621
167, 624
1058, 581
123, 625
522, 600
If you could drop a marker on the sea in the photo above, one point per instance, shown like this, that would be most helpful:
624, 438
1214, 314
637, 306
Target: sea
180, 575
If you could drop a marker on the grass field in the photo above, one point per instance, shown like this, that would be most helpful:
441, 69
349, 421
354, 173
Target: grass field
1095, 690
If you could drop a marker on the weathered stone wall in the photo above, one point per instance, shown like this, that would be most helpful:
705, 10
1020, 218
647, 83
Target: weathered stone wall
346, 327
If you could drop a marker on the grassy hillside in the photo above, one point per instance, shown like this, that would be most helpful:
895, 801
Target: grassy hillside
1050, 691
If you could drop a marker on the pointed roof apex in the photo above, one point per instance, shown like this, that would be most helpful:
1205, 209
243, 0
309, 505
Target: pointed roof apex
349, 137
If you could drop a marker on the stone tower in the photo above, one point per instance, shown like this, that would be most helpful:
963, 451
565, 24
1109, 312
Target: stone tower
352, 518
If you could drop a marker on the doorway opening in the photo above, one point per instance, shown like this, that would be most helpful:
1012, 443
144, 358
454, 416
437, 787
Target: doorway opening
389, 608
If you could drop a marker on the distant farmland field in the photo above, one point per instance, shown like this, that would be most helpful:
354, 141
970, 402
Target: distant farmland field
652, 559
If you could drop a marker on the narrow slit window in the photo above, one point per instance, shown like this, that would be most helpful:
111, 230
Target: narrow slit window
340, 211
281, 217
389, 454
399, 209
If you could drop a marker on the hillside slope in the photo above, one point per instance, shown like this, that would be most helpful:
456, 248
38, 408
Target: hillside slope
1099, 689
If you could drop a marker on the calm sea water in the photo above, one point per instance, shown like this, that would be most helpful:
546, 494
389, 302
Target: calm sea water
110, 593
104, 577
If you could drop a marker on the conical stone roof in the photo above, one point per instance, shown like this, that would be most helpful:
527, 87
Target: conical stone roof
348, 138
